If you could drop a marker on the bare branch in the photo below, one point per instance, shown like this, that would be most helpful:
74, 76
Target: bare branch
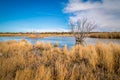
81, 28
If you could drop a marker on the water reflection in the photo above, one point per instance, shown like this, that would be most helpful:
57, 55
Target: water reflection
95, 40
83, 43
68, 41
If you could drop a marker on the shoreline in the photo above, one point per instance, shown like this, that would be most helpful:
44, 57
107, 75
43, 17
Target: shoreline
106, 35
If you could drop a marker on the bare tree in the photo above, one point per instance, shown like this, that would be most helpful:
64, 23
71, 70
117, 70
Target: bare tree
81, 28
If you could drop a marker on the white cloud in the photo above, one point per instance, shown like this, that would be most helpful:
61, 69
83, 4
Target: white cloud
105, 14
77, 5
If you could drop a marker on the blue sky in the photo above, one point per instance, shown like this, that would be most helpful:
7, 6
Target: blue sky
32, 15
53, 15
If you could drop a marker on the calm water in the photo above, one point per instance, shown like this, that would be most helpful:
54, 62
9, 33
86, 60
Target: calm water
69, 41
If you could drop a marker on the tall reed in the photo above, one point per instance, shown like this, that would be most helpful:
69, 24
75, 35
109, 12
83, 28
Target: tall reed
19, 61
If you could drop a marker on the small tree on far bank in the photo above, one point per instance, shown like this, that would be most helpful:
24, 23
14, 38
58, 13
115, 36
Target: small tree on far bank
81, 29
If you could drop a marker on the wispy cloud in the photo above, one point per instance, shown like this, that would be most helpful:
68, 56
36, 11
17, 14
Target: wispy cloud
105, 14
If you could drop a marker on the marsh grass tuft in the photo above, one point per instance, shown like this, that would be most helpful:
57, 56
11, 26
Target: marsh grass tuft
91, 62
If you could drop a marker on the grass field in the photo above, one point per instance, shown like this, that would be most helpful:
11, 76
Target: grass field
22, 61
36, 35
108, 35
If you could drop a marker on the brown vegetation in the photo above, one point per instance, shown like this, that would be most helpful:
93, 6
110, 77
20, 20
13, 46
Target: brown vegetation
37, 35
21, 61
108, 35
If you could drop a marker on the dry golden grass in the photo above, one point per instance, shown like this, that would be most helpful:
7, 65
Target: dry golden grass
36, 35
108, 35
22, 61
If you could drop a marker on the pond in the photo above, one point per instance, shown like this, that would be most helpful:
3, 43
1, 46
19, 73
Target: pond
69, 41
